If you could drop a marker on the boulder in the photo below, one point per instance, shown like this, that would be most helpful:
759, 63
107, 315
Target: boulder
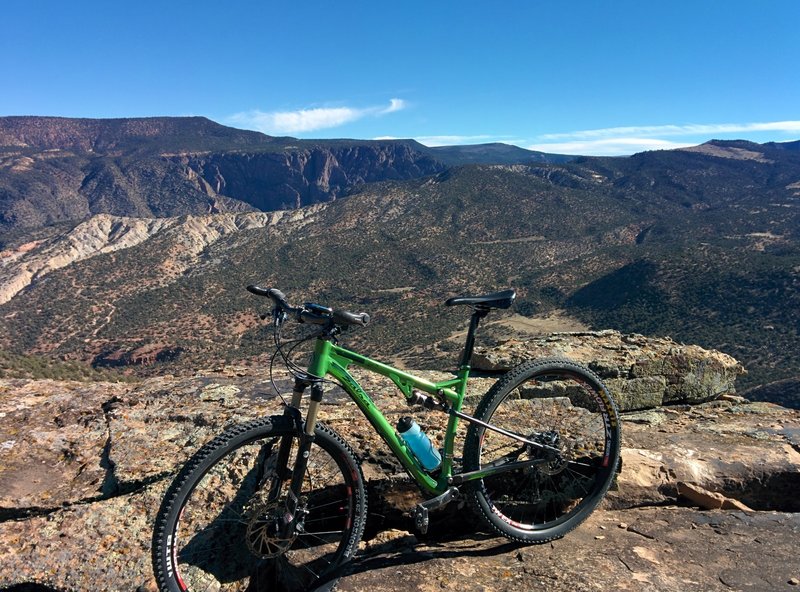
641, 372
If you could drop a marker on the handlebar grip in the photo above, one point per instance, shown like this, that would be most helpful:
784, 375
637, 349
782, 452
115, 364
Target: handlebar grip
276, 295
348, 318
258, 290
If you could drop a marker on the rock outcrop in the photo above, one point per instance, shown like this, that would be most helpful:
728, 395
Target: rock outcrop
84, 467
642, 372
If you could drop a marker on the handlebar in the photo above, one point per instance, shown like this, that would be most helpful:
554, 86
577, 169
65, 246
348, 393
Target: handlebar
278, 297
314, 314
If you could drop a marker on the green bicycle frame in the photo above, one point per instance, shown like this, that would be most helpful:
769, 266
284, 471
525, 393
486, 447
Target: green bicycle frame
333, 360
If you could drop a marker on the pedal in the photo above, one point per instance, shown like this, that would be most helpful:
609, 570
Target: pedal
421, 520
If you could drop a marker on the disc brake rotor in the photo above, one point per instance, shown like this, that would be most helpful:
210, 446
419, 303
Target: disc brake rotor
263, 528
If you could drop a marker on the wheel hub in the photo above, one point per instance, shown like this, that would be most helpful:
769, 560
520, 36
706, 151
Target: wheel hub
263, 530
556, 460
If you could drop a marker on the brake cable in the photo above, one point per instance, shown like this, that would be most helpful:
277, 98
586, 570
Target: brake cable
294, 369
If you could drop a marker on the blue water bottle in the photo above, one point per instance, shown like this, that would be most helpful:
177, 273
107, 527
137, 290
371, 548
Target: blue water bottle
419, 443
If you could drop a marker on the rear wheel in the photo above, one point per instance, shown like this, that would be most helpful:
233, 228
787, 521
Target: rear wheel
567, 411
217, 526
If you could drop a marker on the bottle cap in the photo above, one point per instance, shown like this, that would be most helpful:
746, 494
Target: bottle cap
405, 424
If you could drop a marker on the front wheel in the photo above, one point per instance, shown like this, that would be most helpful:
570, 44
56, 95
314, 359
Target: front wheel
218, 526
567, 412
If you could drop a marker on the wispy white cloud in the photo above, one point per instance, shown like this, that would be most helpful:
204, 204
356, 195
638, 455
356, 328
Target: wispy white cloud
394, 105
617, 141
677, 130
293, 122
309, 120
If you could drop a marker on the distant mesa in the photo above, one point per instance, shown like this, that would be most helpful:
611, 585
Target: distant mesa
55, 169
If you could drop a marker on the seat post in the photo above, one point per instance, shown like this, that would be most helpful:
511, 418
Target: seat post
477, 315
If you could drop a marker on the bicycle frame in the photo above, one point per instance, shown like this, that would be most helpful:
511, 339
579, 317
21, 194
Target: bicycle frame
293, 484
333, 360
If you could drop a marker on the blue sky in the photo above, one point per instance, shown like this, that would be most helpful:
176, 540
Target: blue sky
586, 77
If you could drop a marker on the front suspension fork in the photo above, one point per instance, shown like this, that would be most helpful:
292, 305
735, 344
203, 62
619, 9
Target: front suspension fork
292, 516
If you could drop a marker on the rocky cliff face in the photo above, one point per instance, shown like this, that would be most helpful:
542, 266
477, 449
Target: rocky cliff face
40, 188
706, 499
299, 176
56, 169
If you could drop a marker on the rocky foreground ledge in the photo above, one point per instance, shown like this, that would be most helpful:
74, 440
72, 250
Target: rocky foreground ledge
706, 500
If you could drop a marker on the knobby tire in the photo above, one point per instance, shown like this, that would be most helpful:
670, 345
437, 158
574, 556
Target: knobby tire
560, 404
212, 530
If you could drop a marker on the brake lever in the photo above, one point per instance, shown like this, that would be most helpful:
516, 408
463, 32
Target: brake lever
278, 317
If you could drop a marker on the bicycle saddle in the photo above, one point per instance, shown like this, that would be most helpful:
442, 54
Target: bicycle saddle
502, 299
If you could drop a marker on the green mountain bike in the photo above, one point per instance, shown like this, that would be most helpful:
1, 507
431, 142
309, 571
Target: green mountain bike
280, 503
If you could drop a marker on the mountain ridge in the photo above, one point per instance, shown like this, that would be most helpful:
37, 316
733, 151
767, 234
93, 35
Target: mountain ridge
647, 245
56, 170
494, 153
59, 133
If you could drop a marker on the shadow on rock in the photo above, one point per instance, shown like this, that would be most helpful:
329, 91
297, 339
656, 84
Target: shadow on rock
406, 550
